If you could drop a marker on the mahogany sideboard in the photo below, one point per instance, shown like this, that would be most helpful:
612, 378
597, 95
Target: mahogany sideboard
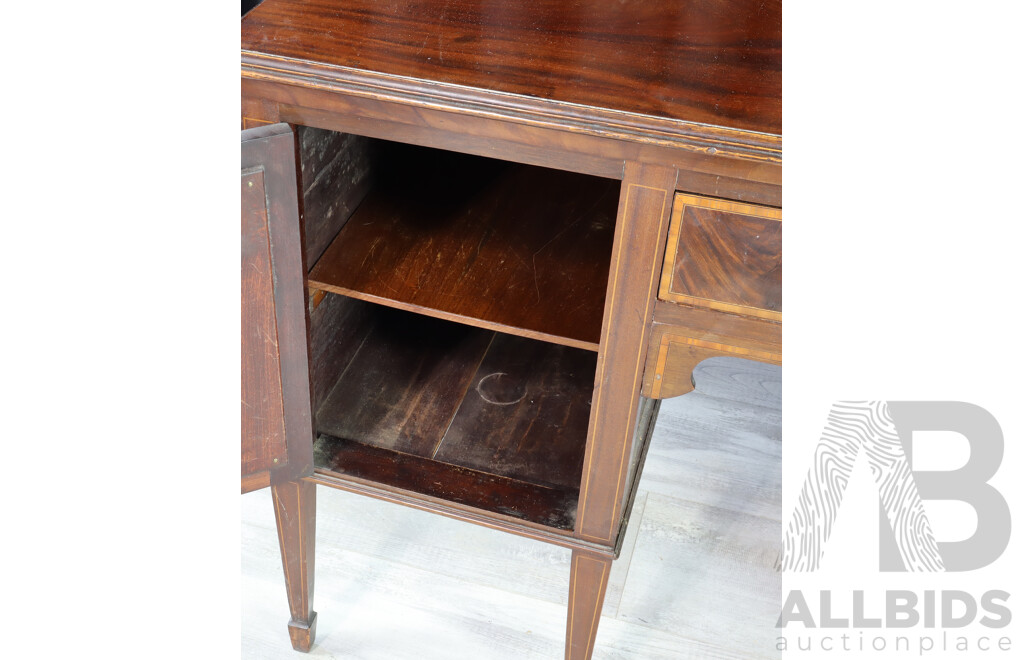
481, 241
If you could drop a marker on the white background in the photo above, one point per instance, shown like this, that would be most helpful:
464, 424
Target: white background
120, 324
902, 235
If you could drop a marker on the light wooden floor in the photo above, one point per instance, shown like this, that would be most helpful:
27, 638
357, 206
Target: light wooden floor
696, 578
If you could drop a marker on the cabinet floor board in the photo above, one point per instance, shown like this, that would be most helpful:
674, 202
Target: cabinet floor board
522, 421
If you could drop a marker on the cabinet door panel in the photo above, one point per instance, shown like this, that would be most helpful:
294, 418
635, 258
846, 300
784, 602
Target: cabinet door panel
277, 433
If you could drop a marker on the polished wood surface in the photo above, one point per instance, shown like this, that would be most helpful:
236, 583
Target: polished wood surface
724, 255
276, 413
641, 229
682, 336
588, 581
716, 62
519, 249
263, 442
295, 513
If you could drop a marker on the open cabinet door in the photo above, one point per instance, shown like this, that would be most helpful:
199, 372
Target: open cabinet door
277, 430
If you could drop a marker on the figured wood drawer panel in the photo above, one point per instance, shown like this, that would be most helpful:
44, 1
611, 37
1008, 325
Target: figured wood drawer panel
725, 256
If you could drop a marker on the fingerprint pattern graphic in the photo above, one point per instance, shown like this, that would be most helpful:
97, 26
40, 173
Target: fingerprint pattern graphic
853, 426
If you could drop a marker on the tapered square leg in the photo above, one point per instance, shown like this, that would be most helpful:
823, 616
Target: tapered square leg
295, 510
588, 580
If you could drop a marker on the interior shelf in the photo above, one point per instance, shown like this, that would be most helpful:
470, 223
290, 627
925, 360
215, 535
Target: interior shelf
452, 411
520, 249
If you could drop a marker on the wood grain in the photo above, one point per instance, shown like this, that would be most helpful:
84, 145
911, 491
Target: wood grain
404, 383
277, 426
641, 228
548, 506
525, 414
263, 440
449, 393
518, 249
258, 111
337, 172
683, 336
295, 511
712, 62
337, 328
588, 580
716, 170
724, 255
722, 562
664, 95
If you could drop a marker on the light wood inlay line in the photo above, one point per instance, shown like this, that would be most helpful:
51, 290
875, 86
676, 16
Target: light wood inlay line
659, 371
597, 610
277, 516
648, 312
641, 351
766, 212
249, 122
303, 564
603, 352
574, 579
724, 306
666, 291
668, 339
277, 332
271, 439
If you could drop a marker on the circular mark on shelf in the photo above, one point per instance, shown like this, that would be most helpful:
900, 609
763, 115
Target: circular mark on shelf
500, 390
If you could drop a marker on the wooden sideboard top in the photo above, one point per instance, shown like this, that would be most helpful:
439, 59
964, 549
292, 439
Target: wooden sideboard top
651, 71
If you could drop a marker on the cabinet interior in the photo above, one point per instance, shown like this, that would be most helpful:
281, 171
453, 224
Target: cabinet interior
455, 313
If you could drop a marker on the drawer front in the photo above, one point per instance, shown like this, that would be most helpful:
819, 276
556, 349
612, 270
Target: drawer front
725, 256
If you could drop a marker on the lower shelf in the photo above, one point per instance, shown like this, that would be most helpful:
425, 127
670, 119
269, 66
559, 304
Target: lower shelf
454, 412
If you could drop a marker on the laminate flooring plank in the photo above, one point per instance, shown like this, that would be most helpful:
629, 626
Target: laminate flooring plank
706, 574
384, 610
710, 450
424, 541
743, 381
619, 574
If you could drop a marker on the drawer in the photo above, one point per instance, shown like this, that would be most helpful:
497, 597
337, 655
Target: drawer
725, 256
